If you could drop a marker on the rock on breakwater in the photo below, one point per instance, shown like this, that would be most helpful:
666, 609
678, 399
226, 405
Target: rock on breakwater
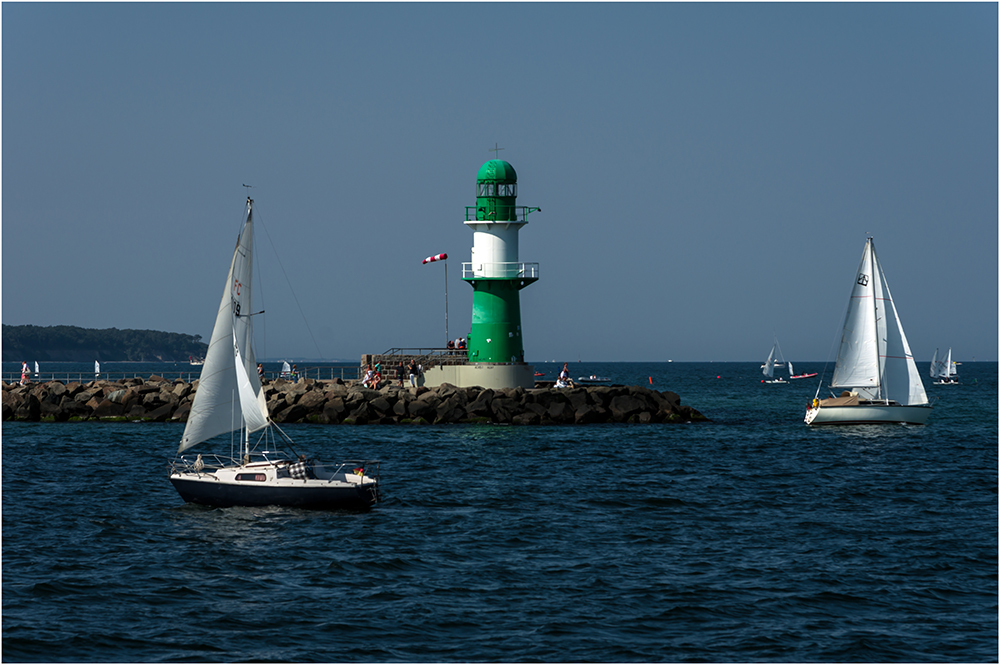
334, 402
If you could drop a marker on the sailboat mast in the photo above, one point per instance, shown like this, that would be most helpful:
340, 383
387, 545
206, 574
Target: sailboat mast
246, 429
879, 359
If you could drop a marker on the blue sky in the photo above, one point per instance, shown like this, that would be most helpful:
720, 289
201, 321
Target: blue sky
707, 173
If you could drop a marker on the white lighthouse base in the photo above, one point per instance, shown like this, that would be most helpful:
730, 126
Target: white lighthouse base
484, 375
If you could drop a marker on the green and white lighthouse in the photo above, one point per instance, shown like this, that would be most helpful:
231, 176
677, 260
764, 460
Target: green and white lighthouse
495, 272
495, 345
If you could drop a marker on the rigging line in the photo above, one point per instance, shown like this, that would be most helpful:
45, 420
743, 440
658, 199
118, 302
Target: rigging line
263, 319
295, 297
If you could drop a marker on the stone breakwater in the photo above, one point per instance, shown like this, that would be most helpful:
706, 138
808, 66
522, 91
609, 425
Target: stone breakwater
334, 402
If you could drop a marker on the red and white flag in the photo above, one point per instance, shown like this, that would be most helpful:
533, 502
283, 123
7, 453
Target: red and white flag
436, 257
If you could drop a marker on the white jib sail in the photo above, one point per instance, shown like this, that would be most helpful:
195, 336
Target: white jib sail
217, 407
935, 366
900, 377
857, 366
251, 396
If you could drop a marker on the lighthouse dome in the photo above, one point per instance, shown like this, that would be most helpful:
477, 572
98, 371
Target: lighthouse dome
496, 170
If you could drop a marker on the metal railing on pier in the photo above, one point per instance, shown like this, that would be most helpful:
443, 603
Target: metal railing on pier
325, 373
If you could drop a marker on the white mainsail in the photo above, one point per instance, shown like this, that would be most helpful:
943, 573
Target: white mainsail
948, 369
874, 358
36, 367
935, 366
857, 361
97, 368
229, 395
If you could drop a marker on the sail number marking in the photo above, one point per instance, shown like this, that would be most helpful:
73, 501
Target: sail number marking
237, 291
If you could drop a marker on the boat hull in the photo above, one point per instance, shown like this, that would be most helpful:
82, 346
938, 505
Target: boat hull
225, 495
258, 485
863, 414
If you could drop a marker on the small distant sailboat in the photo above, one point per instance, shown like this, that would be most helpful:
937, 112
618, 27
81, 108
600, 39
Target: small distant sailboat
793, 375
196, 361
772, 362
97, 368
875, 370
36, 367
229, 399
286, 370
945, 371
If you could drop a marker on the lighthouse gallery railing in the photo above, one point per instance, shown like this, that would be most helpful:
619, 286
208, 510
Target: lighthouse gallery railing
512, 270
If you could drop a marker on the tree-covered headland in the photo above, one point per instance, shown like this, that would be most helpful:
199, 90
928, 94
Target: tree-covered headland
70, 343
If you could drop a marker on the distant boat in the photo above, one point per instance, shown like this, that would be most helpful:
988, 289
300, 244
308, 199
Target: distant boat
944, 370
97, 368
36, 367
593, 379
195, 361
230, 399
875, 375
773, 362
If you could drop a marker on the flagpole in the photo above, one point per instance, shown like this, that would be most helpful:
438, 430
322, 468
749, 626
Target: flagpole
446, 335
432, 259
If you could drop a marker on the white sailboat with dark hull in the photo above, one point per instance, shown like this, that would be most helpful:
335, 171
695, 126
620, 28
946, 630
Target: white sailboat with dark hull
876, 378
229, 399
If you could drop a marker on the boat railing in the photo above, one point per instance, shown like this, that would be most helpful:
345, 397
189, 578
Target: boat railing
370, 468
210, 462
199, 461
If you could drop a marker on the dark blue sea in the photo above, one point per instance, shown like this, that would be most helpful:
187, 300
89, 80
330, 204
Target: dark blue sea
747, 539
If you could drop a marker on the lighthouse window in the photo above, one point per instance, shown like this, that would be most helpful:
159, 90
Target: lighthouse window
507, 189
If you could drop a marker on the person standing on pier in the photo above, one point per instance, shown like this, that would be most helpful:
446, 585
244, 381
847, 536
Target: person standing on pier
412, 369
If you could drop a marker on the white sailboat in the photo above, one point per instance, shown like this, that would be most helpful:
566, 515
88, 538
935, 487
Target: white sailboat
876, 379
229, 399
945, 371
97, 368
772, 362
